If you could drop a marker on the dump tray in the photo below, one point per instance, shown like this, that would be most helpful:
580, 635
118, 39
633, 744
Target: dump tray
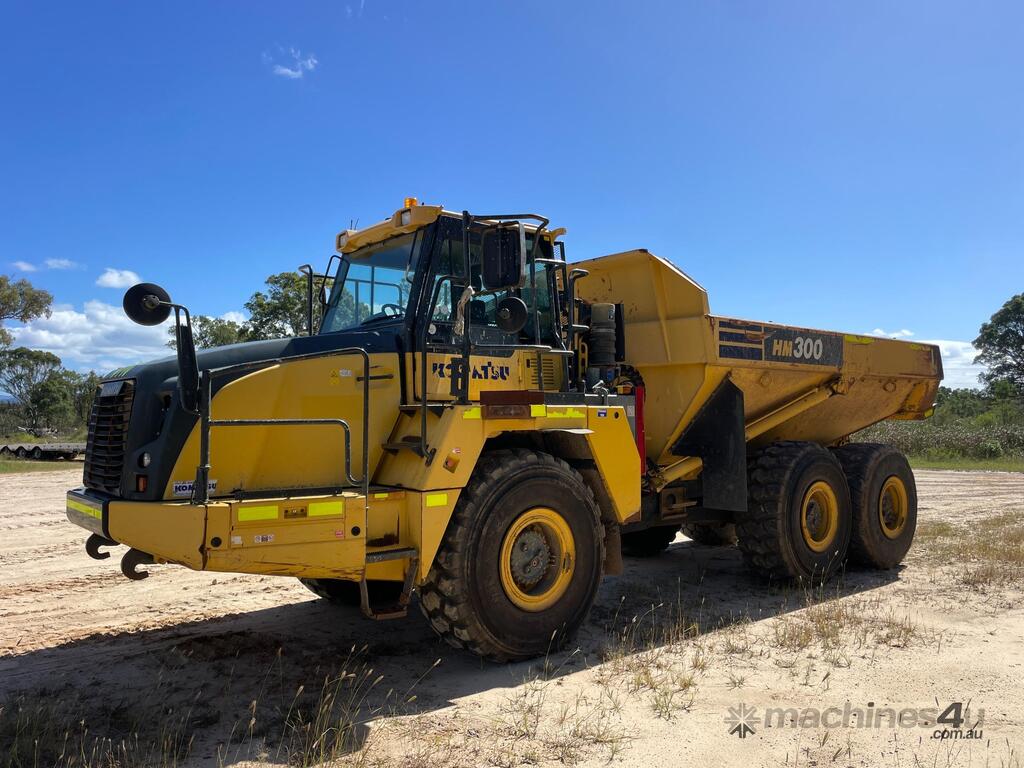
684, 353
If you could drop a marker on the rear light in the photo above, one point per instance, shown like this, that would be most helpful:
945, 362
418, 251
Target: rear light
141, 483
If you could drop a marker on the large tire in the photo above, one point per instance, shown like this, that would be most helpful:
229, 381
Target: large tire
884, 497
344, 592
21, 453
798, 521
711, 534
650, 541
37, 453
478, 596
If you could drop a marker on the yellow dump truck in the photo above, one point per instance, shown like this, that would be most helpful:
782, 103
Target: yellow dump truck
477, 421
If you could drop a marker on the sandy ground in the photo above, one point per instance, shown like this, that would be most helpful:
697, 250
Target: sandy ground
671, 647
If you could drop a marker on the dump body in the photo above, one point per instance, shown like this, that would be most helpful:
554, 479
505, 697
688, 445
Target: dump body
683, 354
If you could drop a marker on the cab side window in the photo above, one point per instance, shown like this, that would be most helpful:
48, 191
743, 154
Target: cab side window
482, 309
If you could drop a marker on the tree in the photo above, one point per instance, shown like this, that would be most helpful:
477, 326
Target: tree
213, 332
51, 405
281, 311
21, 301
1001, 345
22, 371
82, 387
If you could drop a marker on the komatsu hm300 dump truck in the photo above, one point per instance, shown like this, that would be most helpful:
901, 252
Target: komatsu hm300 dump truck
480, 424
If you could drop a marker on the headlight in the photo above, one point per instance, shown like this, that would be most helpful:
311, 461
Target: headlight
144, 460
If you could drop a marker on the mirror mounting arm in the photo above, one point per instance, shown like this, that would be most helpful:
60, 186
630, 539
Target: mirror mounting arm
307, 270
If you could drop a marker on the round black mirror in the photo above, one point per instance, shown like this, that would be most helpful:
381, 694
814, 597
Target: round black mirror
511, 314
147, 304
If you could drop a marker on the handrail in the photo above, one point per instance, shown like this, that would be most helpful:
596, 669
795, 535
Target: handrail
201, 489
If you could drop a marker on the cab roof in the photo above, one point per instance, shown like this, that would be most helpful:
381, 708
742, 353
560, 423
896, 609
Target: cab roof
409, 218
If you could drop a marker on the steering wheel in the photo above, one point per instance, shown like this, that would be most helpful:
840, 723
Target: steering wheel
398, 310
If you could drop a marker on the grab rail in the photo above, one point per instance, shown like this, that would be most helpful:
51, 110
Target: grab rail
201, 489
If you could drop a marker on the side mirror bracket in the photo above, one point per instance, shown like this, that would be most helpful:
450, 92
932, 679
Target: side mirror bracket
149, 304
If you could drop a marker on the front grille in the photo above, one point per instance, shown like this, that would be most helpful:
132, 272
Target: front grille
108, 432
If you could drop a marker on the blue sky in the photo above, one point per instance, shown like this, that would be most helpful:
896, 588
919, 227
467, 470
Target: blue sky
845, 165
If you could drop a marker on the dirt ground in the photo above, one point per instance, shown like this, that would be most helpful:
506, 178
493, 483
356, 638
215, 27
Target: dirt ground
678, 654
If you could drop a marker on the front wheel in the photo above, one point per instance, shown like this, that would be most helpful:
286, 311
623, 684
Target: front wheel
520, 563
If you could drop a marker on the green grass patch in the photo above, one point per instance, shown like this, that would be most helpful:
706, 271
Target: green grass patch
11, 466
1001, 464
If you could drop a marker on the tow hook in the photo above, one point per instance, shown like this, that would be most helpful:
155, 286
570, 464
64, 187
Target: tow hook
132, 559
93, 544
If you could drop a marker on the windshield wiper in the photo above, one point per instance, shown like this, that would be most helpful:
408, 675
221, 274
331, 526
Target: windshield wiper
378, 318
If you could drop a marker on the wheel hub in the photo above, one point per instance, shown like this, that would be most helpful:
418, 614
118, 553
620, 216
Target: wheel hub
530, 558
819, 517
893, 506
537, 559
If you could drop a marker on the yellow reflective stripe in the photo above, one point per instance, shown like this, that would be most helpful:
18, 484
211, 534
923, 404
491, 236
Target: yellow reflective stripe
85, 509
567, 413
472, 413
380, 495
538, 410
325, 508
257, 513
437, 499
853, 339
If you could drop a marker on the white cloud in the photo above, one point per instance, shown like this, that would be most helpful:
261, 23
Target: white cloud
117, 278
99, 338
297, 68
958, 363
24, 266
234, 316
61, 264
901, 334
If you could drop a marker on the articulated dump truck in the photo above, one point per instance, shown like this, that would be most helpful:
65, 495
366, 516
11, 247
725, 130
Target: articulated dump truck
475, 421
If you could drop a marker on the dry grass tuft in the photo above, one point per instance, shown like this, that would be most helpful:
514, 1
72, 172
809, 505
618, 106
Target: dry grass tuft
983, 553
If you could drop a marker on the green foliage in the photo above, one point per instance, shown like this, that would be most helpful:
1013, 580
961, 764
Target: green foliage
21, 301
1001, 345
276, 312
968, 423
48, 399
213, 332
27, 376
281, 310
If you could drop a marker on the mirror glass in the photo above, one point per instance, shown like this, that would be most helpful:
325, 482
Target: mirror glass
503, 254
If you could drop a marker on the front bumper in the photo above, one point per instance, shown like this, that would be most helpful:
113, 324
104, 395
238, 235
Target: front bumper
338, 536
89, 510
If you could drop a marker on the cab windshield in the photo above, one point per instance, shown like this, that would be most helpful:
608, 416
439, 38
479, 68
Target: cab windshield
373, 284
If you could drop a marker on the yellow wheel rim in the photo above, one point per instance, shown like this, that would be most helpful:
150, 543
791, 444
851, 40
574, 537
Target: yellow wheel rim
893, 505
819, 516
538, 556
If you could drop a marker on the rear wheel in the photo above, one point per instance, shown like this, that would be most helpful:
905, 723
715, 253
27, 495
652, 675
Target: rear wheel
798, 521
520, 563
344, 592
37, 453
884, 497
21, 453
650, 541
711, 534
